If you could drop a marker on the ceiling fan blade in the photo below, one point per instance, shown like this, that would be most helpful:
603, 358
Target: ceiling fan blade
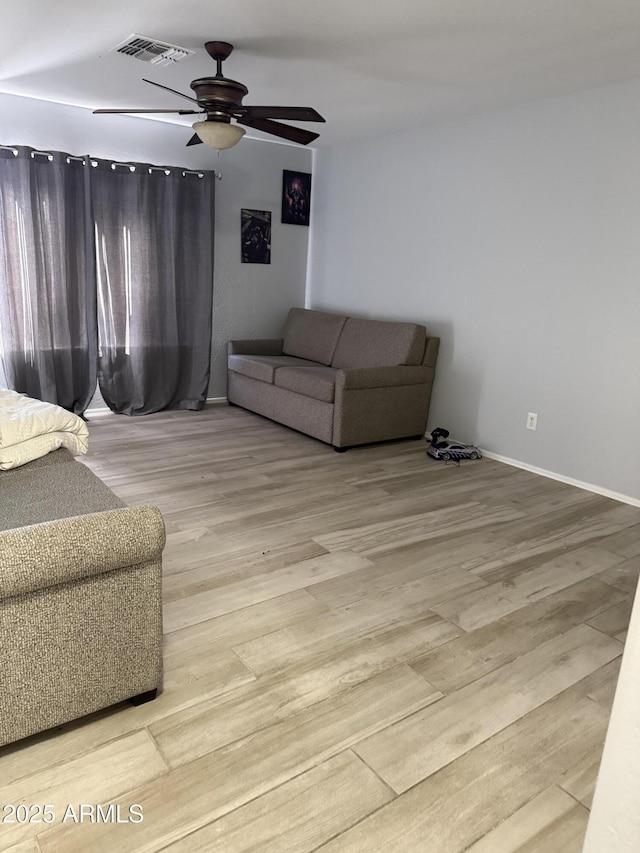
294, 134
178, 112
195, 140
175, 91
294, 113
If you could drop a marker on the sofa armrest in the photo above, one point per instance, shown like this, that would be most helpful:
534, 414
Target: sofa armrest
44, 555
257, 346
431, 351
382, 377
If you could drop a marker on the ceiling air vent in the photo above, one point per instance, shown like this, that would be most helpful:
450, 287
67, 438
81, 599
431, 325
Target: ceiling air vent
149, 50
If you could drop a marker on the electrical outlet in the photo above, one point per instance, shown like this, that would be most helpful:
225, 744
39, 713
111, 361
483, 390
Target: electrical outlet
532, 421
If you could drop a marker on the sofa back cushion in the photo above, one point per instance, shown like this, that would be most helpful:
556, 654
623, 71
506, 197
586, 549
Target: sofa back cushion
312, 334
379, 343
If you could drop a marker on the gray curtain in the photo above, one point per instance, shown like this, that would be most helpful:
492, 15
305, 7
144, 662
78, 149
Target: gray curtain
48, 335
105, 269
154, 246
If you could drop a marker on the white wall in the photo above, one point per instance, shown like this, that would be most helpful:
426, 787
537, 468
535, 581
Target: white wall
515, 237
249, 299
614, 824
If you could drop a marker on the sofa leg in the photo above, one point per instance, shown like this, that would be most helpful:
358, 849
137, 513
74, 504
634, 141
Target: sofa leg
141, 698
340, 449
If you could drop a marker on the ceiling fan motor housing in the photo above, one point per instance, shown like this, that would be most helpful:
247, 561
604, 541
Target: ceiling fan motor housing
219, 94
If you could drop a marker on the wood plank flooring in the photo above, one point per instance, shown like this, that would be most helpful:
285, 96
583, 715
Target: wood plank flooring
370, 651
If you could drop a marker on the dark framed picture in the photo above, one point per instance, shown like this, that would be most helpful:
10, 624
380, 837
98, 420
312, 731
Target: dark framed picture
296, 197
256, 236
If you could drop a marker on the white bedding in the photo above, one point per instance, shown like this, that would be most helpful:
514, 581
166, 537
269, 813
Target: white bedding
30, 428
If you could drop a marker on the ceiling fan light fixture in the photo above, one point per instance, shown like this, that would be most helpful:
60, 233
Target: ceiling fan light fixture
218, 134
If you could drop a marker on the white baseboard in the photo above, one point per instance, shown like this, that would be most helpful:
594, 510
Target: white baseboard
103, 410
589, 487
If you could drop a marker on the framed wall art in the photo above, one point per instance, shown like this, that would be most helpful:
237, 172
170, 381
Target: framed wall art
256, 236
296, 197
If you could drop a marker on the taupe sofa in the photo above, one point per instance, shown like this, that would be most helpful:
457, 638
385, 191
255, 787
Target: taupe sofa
80, 596
344, 380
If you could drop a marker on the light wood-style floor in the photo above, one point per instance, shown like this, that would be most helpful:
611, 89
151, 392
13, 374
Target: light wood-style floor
369, 651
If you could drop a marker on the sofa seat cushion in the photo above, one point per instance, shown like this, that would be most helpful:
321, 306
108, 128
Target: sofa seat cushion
312, 335
55, 457
50, 492
379, 343
263, 367
318, 382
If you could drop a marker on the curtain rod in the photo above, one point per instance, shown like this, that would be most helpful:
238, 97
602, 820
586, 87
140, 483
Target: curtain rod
16, 151
198, 172
70, 157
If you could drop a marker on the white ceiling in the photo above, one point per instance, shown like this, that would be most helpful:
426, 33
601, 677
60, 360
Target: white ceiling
369, 66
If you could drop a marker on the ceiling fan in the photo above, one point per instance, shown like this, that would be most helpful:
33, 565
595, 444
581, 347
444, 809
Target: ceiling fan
219, 99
